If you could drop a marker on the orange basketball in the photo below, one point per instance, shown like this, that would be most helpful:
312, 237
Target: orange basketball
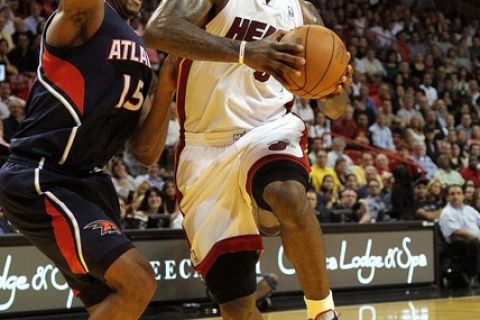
326, 62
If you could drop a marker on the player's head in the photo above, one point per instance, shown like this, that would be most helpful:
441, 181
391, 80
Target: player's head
127, 9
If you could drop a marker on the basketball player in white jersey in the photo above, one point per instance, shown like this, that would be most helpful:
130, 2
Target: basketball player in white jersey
241, 151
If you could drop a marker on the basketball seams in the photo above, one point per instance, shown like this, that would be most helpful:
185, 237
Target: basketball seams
326, 69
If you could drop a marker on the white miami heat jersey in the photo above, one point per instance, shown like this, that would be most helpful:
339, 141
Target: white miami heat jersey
218, 97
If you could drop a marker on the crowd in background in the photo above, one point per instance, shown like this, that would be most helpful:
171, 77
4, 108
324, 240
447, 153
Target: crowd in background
410, 130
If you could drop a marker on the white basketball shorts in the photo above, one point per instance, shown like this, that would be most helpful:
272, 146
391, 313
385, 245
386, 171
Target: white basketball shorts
214, 174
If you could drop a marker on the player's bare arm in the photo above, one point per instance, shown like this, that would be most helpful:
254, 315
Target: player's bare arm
176, 28
311, 14
75, 22
148, 142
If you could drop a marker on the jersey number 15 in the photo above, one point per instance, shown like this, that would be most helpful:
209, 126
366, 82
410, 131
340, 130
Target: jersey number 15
135, 101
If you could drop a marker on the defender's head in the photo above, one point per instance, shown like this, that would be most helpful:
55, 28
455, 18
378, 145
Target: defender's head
127, 9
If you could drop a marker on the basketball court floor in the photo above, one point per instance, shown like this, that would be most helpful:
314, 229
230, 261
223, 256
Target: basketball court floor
463, 308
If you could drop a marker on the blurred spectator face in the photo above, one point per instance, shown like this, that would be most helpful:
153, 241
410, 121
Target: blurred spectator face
419, 149
404, 152
476, 132
321, 158
452, 136
119, 169
170, 189
456, 151
408, 102
444, 162
427, 79
400, 91
373, 188
23, 41
455, 196
154, 201
367, 160
461, 136
364, 91
387, 107
370, 173
419, 58
450, 120
3, 47
340, 166
382, 162
475, 150
404, 67
423, 102
320, 119
399, 82
416, 123
348, 112
17, 109
431, 117
362, 120
5, 90
338, 145
327, 183
352, 182
441, 72
473, 163
317, 144
435, 188
468, 194
420, 191
466, 120
312, 198
349, 198
154, 171
440, 106
381, 120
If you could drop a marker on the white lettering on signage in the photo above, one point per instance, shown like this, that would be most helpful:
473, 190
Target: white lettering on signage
45, 276
169, 269
367, 264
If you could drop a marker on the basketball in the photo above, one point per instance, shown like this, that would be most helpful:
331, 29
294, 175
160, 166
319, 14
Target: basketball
326, 62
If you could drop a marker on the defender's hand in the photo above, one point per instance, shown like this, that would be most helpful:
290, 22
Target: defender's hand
274, 57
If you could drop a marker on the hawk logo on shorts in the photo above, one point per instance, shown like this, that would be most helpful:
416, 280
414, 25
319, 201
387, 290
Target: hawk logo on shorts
105, 226
279, 145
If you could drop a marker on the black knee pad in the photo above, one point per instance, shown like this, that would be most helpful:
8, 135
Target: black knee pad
281, 170
232, 276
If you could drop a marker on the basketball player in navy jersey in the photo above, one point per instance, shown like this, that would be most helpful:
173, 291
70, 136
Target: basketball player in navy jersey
229, 107
93, 79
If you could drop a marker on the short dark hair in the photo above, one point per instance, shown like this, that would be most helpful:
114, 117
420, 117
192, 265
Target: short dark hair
454, 186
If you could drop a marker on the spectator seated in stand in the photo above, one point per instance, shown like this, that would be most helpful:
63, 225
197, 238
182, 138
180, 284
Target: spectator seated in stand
350, 209
460, 226
426, 208
150, 214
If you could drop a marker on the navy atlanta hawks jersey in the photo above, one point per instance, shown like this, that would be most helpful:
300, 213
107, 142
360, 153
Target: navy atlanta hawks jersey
87, 99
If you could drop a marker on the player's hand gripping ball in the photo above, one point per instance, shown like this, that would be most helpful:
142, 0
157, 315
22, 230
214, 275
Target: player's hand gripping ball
326, 62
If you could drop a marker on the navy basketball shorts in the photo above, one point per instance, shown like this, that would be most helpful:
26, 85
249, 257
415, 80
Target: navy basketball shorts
73, 219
